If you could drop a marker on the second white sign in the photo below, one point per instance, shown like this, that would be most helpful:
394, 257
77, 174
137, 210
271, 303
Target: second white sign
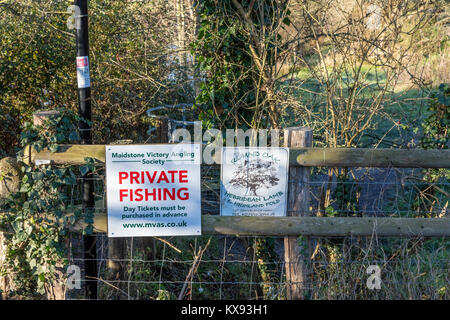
254, 181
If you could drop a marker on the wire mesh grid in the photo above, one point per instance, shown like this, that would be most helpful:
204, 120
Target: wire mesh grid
244, 267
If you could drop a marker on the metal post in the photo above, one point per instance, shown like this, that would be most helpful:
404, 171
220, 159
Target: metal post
84, 111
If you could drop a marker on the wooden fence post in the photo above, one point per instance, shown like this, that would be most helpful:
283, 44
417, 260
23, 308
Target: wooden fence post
298, 205
117, 250
10, 177
4, 280
56, 290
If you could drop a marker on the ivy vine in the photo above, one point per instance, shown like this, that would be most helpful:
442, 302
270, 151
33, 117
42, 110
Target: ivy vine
37, 216
231, 79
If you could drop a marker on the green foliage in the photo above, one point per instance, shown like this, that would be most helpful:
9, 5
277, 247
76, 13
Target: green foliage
130, 66
36, 248
221, 55
128, 63
436, 126
33, 72
225, 56
435, 129
345, 196
269, 270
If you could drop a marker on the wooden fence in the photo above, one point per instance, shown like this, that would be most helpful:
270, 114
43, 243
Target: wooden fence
306, 157
312, 226
299, 223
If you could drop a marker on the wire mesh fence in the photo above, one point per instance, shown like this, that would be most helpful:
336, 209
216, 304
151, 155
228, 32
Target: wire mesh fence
244, 267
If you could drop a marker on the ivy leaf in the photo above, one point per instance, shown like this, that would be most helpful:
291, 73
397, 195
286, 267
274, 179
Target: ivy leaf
70, 180
89, 230
16, 226
71, 219
444, 100
444, 87
33, 263
60, 138
84, 169
73, 136
29, 230
201, 33
38, 146
53, 147
25, 187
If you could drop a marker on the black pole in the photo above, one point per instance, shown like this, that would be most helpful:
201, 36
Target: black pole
85, 112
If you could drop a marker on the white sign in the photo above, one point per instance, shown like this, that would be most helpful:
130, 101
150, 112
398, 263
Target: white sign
254, 181
153, 190
83, 76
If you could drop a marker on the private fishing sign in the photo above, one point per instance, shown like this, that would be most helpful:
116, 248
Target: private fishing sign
153, 190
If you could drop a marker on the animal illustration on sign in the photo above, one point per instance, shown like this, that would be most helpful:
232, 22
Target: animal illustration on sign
255, 174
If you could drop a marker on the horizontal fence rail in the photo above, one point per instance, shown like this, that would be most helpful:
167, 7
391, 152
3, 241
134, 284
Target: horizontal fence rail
307, 157
308, 226
313, 226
